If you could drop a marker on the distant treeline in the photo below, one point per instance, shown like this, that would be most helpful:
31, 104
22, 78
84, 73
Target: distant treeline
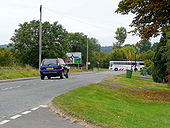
3, 46
107, 49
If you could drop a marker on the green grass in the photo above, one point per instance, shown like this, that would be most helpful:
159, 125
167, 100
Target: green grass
84, 70
17, 72
137, 81
113, 107
77, 70
100, 69
24, 72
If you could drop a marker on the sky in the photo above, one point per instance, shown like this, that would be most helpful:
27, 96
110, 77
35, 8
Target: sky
94, 18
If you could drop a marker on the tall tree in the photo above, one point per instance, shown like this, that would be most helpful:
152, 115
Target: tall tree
144, 45
152, 18
129, 52
78, 43
102, 59
167, 53
148, 55
151, 15
95, 44
121, 35
26, 38
168, 59
117, 55
160, 60
154, 46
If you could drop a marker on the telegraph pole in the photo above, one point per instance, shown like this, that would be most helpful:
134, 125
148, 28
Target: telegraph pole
87, 56
40, 37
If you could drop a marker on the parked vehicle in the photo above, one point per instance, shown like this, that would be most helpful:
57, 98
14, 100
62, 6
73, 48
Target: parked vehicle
124, 65
53, 68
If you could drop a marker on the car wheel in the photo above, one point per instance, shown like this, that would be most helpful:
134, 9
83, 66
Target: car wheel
116, 69
66, 75
61, 75
49, 77
42, 77
135, 69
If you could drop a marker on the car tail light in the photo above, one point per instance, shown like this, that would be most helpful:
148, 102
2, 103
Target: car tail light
42, 63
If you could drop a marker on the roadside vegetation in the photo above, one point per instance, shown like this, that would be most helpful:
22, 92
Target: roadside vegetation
113, 107
17, 72
138, 81
90, 70
28, 71
57, 41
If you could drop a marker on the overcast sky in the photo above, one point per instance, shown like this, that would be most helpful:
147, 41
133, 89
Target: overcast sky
95, 18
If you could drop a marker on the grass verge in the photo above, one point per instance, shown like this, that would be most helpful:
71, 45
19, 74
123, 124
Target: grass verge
77, 70
137, 81
28, 71
18, 72
90, 70
113, 107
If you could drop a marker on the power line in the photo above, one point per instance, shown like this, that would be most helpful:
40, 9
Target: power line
75, 19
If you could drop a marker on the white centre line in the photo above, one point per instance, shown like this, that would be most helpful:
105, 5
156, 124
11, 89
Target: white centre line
33, 109
44, 106
15, 87
5, 89
26, 112
16, 116
4, 122
23, 113
10, 88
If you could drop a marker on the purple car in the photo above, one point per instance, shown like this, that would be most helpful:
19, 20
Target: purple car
53, 68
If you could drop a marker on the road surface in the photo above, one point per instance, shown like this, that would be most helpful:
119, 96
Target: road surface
23, 104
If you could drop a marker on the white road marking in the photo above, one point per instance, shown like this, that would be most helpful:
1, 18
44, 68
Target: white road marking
4, 122
26, 112
4, 89
23, 113
44, 106
33, 109
16, 116
10, 88
14, 87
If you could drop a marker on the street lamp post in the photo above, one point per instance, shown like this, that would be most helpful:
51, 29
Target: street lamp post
40, 36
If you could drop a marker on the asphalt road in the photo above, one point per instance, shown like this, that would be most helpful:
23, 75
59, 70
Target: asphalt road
23, 104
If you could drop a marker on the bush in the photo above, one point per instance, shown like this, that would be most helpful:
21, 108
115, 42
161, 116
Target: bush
149, 66
160, 60
6, 57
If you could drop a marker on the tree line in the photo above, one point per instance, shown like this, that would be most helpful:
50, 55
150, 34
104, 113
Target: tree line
56, 42
151, 19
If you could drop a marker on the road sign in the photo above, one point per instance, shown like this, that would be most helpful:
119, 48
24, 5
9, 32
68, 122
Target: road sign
73, 58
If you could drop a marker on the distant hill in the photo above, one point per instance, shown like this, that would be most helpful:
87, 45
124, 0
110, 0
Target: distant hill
3, 46
106, 49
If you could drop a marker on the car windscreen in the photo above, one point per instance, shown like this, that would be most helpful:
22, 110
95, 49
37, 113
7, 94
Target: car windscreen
50, 62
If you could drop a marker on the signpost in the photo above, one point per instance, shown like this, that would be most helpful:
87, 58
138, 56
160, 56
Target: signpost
74, 58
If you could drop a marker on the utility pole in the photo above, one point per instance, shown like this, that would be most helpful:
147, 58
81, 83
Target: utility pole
87, 55
40, 37
135, 69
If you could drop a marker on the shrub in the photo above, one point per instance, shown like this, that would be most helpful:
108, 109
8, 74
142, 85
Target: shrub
149, 66
6, 57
